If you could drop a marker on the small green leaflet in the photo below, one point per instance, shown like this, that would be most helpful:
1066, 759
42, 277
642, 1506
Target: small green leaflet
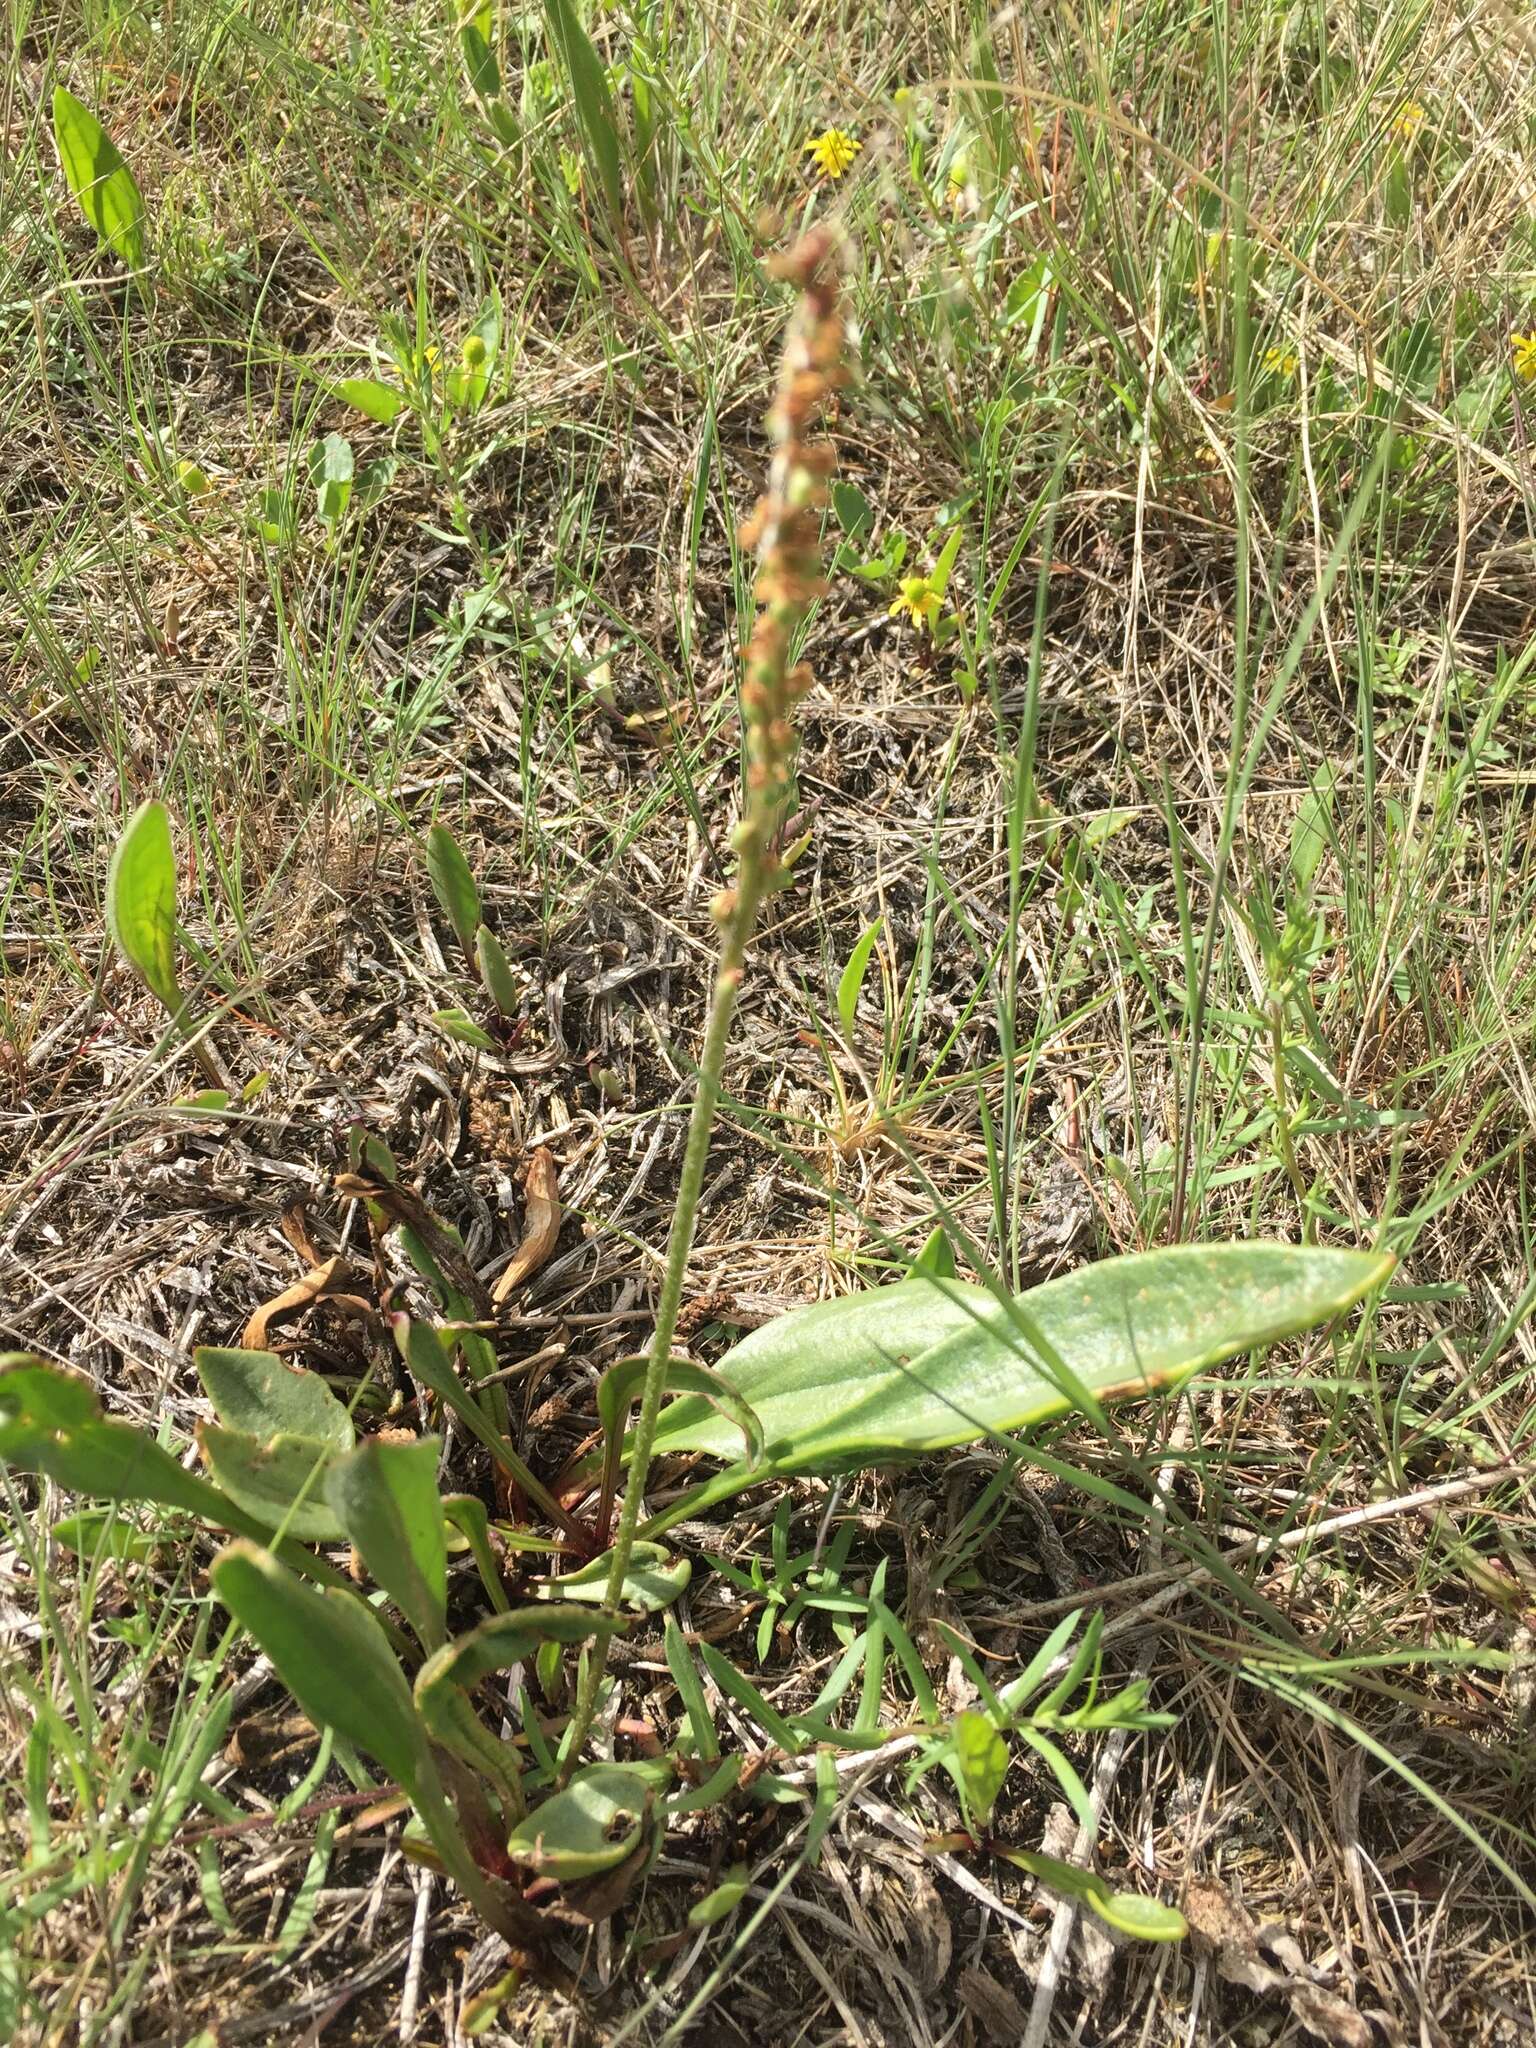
982, 1758
141, 900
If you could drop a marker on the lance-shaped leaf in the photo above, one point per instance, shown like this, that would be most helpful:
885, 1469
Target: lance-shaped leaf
385, 1497
381, 402
458, 1025
141, 900
654, 1579
931, 1362
1141, 1918
101, 182
254, 1391
495, 971
596, 115
594, 1824
454, 886
332, 1656
979, 1765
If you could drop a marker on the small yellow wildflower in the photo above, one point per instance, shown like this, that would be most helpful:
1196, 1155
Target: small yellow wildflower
832, 151
473, 352
432, 361
1522, 349
918, 601
1407, 121
959, 179
1279, 361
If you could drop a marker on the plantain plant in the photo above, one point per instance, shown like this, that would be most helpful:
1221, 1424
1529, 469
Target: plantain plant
537, 1832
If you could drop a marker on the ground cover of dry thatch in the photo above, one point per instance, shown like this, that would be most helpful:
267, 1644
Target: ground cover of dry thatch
1343, 1802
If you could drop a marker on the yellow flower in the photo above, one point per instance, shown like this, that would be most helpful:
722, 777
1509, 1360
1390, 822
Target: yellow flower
1522, 348
1407, 121
919, 602
959, 178
832, 151
1280, 361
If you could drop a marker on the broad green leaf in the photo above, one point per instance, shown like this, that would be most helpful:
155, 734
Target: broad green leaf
855, 514
381, 402
851, 981
102, 1532
495, 971
332, 1656
475, 39
981, 1764
462, 1028
100, 180
372, 481
205, 1102
593, 1825
385, 1497
266, 1479
595, 111
256, 1392
274, 518
367, 1153
1143, 1919
51, 1423
454, 886
928, 1363
141, 900
331, 470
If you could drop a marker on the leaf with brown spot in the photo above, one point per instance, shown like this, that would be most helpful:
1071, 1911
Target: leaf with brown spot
541, 1224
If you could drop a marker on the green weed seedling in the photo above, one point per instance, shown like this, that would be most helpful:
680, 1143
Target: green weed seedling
484, 955
527, 1823
141, 917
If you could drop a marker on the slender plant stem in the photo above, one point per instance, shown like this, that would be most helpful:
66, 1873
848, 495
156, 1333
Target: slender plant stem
701, 1119
786, 532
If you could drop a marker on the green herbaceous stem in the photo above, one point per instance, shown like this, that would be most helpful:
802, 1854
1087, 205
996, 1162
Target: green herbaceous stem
786, 532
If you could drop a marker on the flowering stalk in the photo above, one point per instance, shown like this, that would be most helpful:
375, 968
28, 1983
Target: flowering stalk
786, 532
